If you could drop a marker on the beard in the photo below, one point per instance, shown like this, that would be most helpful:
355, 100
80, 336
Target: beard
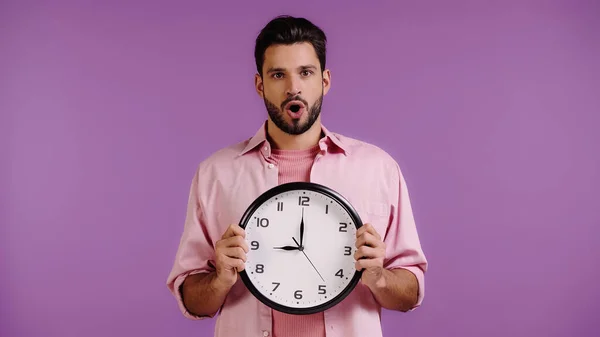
296, 127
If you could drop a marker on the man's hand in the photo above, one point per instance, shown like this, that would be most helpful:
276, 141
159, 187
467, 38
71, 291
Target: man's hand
204, 293
393, 289
230, 254
370, 255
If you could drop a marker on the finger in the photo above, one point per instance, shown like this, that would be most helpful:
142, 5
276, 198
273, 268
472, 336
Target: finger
366, 252
368, 263
234, 241
362, 229
368, 239
368, 228
233, 263
234, 230
228, 232
235, 253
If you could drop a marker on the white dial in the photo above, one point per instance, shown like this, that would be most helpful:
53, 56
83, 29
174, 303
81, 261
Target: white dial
302, 245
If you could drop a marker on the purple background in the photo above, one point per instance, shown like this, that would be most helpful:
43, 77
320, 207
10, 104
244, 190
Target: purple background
491, 109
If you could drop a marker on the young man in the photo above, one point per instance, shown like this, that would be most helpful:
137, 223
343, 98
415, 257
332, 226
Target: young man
293, 145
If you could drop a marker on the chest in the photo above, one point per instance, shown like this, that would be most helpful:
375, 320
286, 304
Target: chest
364, 187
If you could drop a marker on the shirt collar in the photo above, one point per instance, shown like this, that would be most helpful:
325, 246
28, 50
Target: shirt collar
260, 137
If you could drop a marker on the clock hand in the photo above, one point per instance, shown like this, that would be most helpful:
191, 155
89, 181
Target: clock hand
302, 229
300, 248
287, 248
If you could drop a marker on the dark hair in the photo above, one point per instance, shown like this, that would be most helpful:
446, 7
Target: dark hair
288, 30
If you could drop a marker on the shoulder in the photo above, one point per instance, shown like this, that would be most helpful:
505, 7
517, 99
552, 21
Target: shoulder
222, 159
376, 167
367, 153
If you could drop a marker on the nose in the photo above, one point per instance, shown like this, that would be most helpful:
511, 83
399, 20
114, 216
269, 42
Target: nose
293, 87
293, 92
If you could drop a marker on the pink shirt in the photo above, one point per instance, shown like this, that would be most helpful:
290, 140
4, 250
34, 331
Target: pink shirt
231, 178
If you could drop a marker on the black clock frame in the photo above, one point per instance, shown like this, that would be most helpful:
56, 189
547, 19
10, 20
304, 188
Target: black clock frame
287, 187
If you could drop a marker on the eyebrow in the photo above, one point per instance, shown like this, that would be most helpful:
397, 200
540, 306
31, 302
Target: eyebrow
305, 67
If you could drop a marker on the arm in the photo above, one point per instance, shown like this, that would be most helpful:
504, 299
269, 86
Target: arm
204, 270
396, 290
394, 266
203, 294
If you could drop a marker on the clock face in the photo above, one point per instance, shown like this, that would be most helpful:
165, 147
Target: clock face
302, 240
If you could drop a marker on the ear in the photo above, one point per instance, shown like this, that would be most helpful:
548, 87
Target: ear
326, 81
258, 84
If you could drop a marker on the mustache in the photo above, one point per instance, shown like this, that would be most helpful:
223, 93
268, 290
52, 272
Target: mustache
295, 98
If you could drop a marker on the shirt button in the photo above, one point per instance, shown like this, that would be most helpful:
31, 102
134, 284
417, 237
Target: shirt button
271, 165
265, 333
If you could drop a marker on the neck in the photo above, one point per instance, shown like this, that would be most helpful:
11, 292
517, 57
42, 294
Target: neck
284, 141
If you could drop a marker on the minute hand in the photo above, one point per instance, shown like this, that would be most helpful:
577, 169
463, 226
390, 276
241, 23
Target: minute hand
302, 250
302, 229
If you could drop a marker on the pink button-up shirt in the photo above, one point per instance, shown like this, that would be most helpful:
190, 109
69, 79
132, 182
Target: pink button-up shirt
230, 179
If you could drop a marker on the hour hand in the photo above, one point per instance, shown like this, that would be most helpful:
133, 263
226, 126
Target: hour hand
287, 248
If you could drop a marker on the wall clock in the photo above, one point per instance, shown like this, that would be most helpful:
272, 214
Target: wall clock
301, 238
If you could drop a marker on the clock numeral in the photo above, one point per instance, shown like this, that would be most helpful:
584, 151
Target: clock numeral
322, 289
254, 245
261, 268
348, 250
303, 200
326, 209
280, 206
340, 273
343, 227
276, 285
298, 294
262, 222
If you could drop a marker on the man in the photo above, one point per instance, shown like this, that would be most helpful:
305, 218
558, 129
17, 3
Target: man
293, 145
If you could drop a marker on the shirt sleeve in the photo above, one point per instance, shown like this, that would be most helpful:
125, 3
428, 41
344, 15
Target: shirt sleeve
402, 240
195, 252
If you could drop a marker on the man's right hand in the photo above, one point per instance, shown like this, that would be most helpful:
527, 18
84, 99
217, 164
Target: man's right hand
230, 253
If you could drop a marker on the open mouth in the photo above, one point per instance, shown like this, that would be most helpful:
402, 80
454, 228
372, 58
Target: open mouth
294, 106
295, 109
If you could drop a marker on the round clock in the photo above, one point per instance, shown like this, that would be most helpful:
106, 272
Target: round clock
301, 238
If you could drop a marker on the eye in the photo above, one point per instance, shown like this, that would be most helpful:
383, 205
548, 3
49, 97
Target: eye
277, 75
306, 73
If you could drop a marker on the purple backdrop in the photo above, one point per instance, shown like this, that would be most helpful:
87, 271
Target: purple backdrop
491, 109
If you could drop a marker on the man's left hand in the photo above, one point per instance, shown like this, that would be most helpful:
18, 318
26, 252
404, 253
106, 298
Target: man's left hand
369, 255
